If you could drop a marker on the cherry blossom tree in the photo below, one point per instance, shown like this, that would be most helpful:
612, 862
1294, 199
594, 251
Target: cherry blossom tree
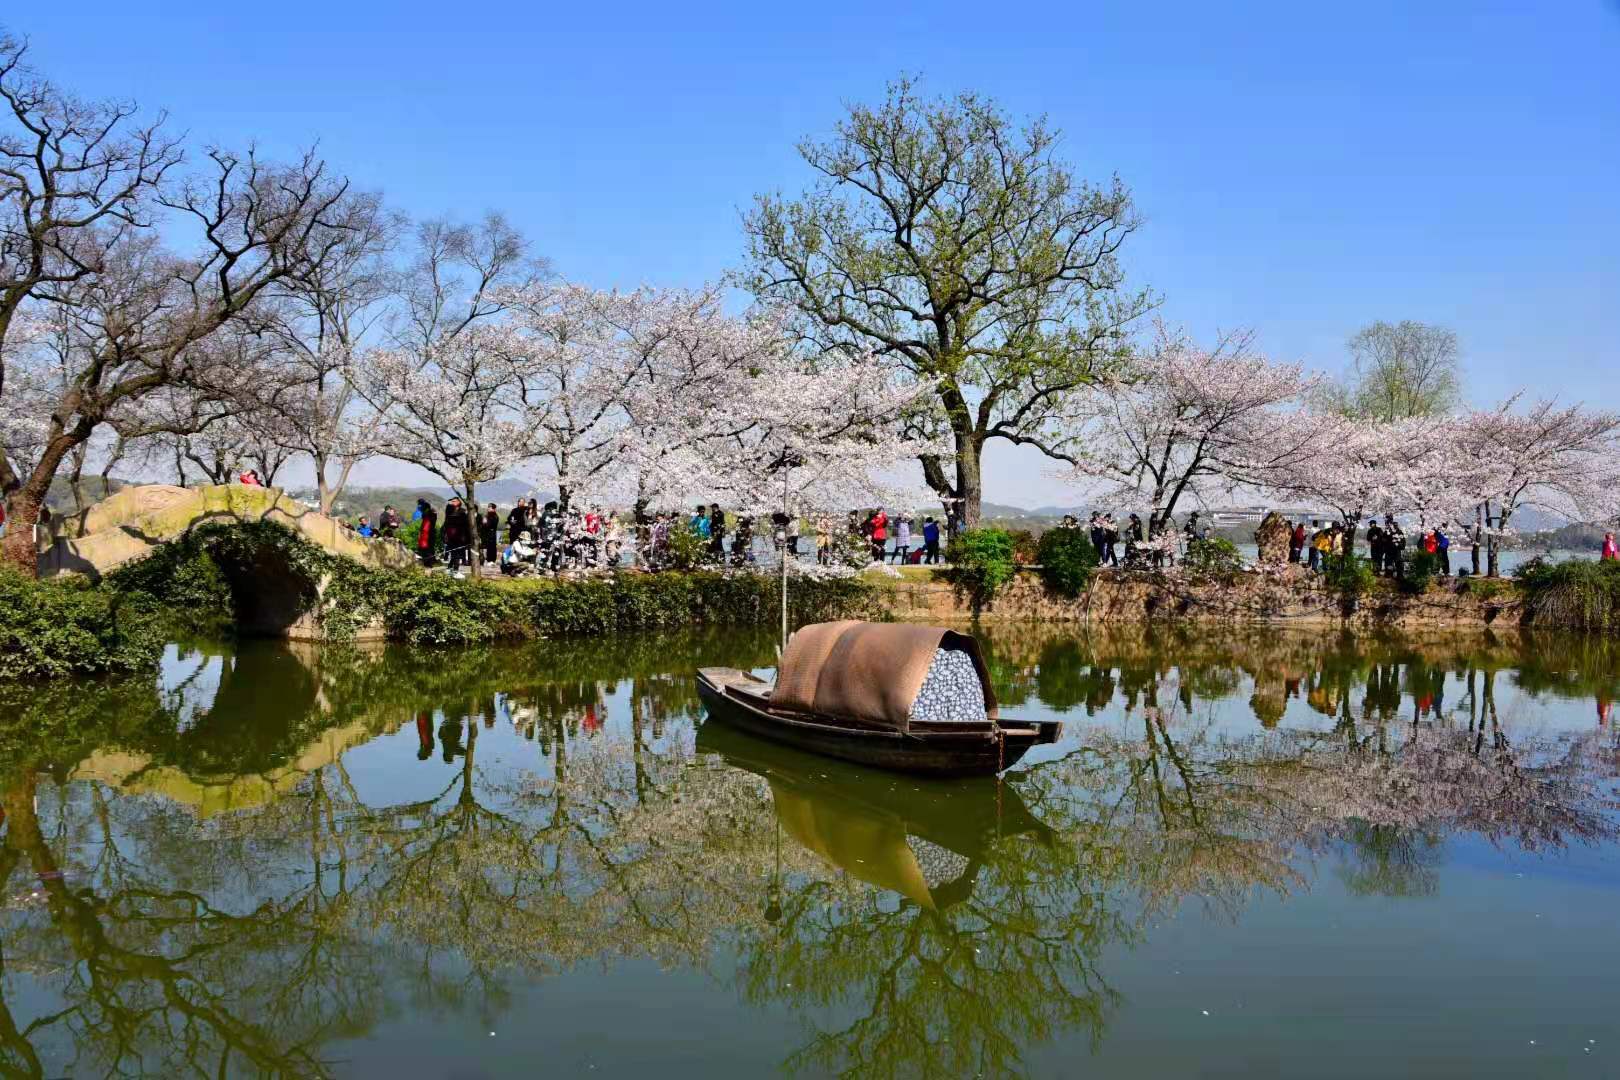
456, 411
660, 394
584, 352
449, 393
1358, 468
716, 403
1182, 422
1435, 472
1562, 458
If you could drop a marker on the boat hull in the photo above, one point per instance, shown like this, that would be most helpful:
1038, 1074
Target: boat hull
932, 754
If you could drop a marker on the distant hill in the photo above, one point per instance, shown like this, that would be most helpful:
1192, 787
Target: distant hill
370, 500
504, 491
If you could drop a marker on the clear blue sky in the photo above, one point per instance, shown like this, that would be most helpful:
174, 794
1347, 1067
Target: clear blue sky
1303, 168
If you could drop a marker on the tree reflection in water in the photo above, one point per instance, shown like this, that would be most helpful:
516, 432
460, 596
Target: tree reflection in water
205, 888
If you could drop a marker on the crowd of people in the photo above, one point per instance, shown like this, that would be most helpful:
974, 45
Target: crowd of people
552, 538
1137, 544
546, 539
1388, 545
1310, 543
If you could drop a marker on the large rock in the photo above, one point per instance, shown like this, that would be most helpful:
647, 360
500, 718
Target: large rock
1272, 539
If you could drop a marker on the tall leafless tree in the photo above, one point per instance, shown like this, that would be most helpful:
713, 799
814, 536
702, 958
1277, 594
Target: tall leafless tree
328, 314
77, 180
145, 315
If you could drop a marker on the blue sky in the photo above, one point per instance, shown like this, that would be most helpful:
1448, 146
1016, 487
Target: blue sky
1303, 168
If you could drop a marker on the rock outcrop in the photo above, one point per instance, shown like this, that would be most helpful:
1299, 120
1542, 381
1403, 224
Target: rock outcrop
1272, 539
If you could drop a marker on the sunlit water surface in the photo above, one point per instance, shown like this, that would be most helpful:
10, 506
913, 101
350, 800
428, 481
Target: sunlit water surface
1252, 853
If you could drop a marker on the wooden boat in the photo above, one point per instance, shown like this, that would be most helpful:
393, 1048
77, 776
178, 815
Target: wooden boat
847, 689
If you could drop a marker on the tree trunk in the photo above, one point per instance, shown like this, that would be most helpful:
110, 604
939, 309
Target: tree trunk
113, 459
1490, 540
969, 481
327, 493
76, 485
324, 495
643, 532
1479, 534
475, 557
23, 506
1495, 540
22, 514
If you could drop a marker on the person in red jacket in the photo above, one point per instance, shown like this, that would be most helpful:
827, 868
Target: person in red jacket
880, 533
1609, 551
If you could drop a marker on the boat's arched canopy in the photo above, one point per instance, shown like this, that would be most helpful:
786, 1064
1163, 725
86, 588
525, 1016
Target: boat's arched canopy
869, 672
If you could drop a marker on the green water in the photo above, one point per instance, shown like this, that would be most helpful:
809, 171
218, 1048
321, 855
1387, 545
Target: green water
1251, 854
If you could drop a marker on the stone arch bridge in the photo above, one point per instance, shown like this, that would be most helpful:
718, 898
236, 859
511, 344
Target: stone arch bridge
136, 521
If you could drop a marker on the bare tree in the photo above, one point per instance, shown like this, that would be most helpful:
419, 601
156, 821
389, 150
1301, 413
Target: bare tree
145, 315
328, 313
449, 387
458, 277
77, 180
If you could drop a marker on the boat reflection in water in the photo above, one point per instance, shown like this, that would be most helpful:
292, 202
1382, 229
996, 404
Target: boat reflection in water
924, 839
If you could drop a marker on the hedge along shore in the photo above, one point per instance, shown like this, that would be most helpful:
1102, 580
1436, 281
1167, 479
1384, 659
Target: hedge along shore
265, 580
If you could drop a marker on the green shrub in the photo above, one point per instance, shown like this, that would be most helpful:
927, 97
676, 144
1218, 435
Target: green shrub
1349, 575
1578, 594
981, 563
53, 628
195, 595
687, 550
1216, 557
1419, 570
1067, 559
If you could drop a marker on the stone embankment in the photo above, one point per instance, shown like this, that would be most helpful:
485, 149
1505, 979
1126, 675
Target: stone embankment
1287, 595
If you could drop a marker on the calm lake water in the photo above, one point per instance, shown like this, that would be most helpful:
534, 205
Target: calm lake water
1253, 853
